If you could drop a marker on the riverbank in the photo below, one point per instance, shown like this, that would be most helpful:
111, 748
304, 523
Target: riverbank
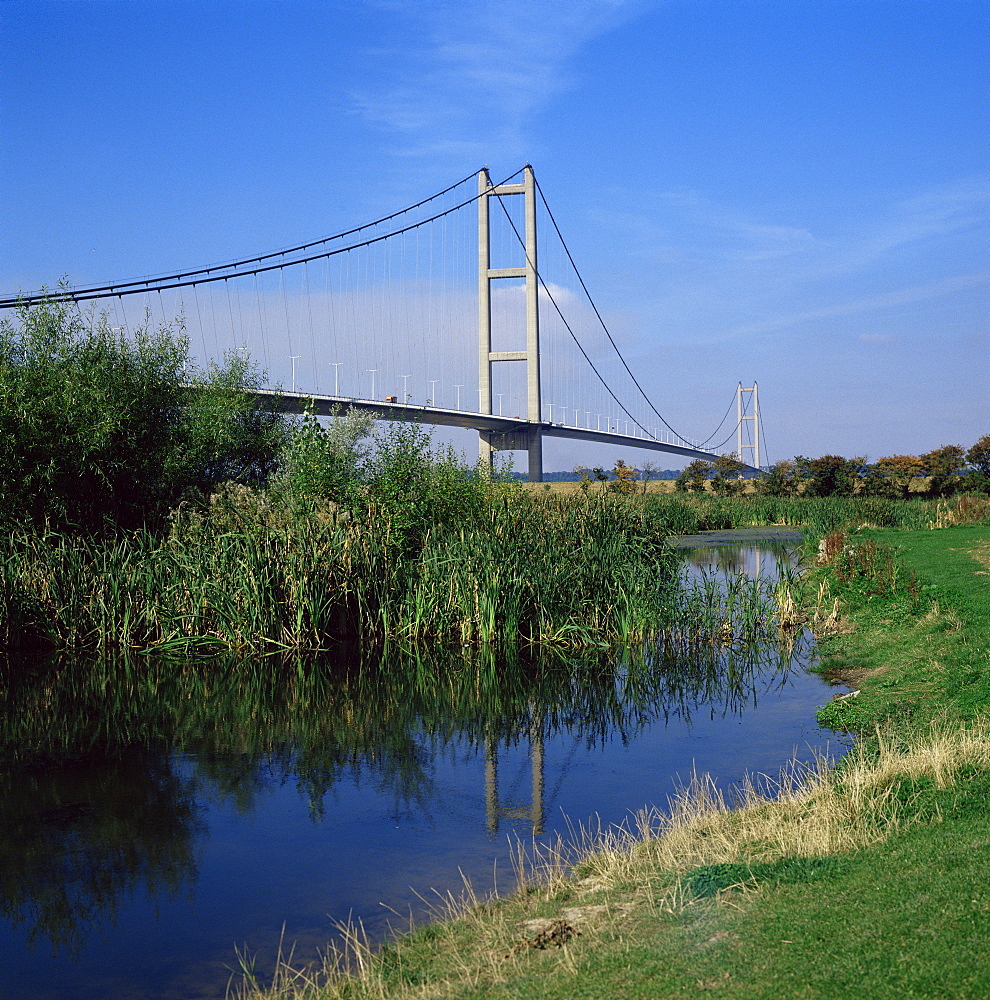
867, 880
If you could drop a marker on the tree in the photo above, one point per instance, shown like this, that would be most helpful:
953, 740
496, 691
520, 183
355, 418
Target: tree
417, 487
726, 480
900, 470
831, 476
694, 476
875, 483
979, 455
942, 466
98, 429
323, 461
781, 481
624, 481
648, 472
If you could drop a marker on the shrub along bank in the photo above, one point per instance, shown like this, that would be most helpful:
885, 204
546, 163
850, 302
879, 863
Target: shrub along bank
867, 880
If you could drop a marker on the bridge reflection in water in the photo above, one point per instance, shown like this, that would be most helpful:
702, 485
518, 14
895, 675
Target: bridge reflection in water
495, 810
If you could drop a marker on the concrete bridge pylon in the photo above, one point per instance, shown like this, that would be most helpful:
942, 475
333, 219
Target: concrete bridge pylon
530, 440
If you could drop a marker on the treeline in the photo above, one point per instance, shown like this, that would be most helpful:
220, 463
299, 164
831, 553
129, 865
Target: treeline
940, 473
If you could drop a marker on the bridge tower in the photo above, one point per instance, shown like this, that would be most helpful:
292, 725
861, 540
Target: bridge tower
530, 440
754, 417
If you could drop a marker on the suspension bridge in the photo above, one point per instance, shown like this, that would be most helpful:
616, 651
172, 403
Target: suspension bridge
449, 312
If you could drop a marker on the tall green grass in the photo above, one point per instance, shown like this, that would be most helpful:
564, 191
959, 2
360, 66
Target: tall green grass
513, 568
702, 512
520, 570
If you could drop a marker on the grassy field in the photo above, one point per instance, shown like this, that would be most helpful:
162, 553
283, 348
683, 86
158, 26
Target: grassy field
868, 880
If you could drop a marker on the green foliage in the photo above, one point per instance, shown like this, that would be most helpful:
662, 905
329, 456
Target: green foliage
974, 481
99, 429
243, 573
979, 455
942, 466
832, 476
415, 487
694, 477
323, 462
874, 482
781, 481
900, 470
433, 552
624, 481
726, 481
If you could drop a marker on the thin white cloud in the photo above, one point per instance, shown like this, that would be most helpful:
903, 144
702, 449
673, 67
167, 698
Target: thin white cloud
480, 70
729, 234
719, 272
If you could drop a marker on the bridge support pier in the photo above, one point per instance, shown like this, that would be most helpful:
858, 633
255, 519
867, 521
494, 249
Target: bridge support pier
529, 440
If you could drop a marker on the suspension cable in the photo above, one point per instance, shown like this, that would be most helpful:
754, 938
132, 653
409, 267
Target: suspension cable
205, 275
234, 265
728, 410
766, 456
567, 325
594, 307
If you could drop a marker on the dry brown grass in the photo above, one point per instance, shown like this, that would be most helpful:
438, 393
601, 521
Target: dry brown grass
960, 510
981, 553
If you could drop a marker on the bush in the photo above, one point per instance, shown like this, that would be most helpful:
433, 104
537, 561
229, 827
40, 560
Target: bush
99, 429
322, 462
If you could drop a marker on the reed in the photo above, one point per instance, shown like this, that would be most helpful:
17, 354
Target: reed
490, 564
520, 570
820, 515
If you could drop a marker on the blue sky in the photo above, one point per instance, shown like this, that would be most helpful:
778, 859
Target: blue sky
789, 192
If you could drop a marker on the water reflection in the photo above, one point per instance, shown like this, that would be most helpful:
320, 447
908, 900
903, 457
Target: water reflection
92, 809
78, 834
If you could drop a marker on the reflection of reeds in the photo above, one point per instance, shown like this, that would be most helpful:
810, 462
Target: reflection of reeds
731, 610
373, 705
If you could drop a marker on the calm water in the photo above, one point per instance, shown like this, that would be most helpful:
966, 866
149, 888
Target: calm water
153, 819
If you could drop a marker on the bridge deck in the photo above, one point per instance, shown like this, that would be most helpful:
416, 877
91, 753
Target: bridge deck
325, 406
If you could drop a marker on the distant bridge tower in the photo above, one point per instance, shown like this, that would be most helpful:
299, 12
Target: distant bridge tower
530, 440
753, 417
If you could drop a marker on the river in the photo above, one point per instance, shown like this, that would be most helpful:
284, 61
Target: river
155, 819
